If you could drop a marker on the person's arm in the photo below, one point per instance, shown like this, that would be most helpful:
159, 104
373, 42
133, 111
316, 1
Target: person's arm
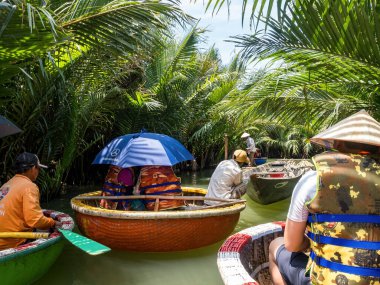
253, 143
33, 215
238, 179
294, 236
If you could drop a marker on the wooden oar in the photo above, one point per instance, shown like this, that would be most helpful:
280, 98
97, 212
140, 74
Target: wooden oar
151, 197
87, 245
222, 205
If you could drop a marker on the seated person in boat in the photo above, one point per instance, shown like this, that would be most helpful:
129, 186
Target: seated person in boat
338, 207
227, 180
20, 209
119, 181
159, 180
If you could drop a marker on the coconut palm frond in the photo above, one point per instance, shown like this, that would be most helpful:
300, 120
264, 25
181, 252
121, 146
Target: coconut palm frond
122, 25
259, 9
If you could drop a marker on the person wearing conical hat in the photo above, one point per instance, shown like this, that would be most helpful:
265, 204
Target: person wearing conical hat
227, 178
338, 207
250, 148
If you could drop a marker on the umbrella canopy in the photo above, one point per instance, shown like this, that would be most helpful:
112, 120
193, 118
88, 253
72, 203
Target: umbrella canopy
7, 127
143, 149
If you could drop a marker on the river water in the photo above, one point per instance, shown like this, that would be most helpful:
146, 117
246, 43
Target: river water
193, 267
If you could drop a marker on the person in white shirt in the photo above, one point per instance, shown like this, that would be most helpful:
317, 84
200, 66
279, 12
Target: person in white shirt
251, 147
227, 177
330, 207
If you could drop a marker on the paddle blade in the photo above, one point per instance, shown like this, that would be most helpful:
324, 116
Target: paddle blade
88, 245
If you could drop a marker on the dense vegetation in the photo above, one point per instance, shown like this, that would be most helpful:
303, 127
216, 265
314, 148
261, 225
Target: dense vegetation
76, 74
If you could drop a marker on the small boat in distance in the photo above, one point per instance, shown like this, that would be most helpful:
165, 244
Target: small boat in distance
260, 160
274, 181
27, 263
192, 226
243, 257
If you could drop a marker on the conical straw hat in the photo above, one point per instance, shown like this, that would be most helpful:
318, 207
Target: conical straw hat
359, 128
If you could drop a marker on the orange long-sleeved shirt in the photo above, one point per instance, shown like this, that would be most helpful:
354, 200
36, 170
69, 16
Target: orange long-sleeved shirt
20, 209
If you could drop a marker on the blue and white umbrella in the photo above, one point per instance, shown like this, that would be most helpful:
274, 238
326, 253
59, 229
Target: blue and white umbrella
7, 128
141, 149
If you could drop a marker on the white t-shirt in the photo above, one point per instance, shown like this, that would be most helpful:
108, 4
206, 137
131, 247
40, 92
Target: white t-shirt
303, 192
226, 175
251, 147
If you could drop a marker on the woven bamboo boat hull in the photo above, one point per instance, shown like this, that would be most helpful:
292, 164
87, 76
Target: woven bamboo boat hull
243, 257
27, 263
162, 231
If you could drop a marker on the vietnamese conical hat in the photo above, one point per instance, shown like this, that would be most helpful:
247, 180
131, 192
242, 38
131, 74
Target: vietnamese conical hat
245, 135
358, 128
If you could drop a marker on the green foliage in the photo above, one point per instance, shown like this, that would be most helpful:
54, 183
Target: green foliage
324, 59
57, 61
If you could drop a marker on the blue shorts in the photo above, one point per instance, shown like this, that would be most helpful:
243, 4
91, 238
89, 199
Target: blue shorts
292, 266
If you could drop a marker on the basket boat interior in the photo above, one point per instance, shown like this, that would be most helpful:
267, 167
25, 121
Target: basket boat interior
288, 168
190, 205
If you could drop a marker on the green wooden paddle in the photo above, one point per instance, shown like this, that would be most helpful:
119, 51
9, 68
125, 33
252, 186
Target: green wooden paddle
88, 245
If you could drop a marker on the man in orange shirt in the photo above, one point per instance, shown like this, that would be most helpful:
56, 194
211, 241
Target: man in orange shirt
20, 209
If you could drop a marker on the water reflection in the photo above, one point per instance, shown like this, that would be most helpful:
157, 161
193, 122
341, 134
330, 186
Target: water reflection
195, 267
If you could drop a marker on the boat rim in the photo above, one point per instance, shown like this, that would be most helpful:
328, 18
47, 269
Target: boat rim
81, 207
229, 264
39, 244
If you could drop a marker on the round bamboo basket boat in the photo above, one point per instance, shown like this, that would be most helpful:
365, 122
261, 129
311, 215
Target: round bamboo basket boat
161, 231
243, 257
27, 263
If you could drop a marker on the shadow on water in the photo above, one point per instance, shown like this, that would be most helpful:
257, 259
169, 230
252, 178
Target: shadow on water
195, 267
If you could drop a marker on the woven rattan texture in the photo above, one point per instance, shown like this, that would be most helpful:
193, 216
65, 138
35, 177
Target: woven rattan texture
243, 257
157, 235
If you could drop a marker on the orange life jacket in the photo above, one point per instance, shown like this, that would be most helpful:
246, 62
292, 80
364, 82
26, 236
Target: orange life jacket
160, 180
113, 187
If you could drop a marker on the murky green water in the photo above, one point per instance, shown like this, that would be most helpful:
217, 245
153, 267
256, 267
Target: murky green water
195, 267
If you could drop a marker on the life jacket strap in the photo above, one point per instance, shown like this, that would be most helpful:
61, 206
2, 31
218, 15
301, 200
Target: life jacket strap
114, 185
321, 239
345, 218
363, 271
114, 193
158, 185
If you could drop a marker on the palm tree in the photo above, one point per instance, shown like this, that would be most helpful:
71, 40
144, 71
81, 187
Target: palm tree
327, 57
56, 80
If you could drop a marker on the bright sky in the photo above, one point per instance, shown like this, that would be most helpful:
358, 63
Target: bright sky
220, 26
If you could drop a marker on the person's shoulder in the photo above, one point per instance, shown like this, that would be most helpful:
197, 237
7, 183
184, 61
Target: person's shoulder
307, 183
310, 174
227, 164
226, 161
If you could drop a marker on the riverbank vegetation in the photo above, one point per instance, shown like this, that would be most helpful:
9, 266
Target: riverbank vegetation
76, 74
